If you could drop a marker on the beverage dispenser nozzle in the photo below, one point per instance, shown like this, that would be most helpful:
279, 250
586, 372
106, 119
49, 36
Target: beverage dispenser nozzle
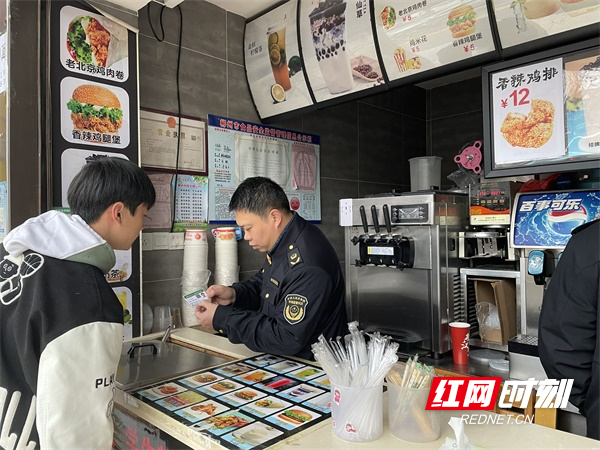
540, 264
363, 218
375, 218
386, 218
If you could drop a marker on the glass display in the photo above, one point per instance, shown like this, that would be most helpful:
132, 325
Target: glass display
542, 114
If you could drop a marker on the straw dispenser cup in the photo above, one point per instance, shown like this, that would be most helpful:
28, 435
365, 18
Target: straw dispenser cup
356, 371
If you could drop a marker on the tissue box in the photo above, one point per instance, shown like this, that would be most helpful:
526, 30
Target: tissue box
503, 294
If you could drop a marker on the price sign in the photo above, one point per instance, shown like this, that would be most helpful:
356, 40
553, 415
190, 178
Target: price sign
528, 113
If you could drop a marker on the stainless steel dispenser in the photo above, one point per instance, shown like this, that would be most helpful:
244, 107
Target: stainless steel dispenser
402, 277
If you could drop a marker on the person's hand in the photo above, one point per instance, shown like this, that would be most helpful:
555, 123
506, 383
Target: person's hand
221, 295
205, 311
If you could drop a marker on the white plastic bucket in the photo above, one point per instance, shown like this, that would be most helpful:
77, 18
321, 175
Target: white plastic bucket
425, 172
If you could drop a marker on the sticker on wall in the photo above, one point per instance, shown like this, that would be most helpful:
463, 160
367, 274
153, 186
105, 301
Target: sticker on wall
94, 113
121, 271
93, 45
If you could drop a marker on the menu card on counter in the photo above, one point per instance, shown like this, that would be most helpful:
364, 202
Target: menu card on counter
521, 21
422, 35
338, 47
251, 403
274, 67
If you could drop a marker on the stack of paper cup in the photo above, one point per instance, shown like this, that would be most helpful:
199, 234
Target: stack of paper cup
226, 256
195, 270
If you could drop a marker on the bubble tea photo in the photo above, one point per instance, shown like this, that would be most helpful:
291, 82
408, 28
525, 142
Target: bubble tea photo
328, 26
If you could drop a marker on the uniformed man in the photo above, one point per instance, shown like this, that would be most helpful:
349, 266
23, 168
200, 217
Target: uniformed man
296, 296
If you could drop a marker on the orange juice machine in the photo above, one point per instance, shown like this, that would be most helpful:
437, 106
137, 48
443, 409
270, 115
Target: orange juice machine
402, 265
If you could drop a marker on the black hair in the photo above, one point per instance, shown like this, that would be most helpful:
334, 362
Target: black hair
105, 181
259, 195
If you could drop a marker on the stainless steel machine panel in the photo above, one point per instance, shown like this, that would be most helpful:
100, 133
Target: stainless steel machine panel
410, 295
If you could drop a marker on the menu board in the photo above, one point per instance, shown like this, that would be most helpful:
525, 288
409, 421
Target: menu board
240, 150
544, 116
245, 404
523, 21
274, 67
418, 36
338, 47
94, 115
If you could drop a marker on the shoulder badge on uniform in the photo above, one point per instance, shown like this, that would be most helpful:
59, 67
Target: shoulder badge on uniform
275, 282
295, 308
294, 257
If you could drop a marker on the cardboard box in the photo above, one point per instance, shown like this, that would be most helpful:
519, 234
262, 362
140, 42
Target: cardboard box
503, 294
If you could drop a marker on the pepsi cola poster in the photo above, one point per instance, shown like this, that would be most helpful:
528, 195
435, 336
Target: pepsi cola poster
546, 219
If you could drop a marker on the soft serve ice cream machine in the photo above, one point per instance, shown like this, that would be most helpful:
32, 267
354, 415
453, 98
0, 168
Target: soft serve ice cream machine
402, 265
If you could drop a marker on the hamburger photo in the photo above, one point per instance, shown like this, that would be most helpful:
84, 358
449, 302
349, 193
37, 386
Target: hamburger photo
95, 108
461, 21
295, 416
245, 395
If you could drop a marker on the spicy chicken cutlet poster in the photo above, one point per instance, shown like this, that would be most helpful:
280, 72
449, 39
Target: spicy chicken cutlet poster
94, 114
528, 112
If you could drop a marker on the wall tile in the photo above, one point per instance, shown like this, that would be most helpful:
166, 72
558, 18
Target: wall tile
204, 26
456, 98
163, 292
162, 264
413, 144
239, 101
235, 38
366, 188
202, 90
413, 101
450, 134
380, 144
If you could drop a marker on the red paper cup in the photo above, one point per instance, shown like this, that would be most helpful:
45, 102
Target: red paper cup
459, 335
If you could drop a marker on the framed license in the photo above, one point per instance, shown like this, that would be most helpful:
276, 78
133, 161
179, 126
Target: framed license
160, 135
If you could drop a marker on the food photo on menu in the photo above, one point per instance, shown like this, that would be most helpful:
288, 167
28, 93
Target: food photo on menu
301, 392
200, 379
277, 384
202, 411
161, 391
266, 406
224, 423
293, 417
306, 373
255, 376
264, 360
284, 366
243, 396
220, 387
252, 435
180, 400
93, 44
528, 115
94, 113
234, 369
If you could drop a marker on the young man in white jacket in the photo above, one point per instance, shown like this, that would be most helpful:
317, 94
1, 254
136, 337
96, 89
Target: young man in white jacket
61, 324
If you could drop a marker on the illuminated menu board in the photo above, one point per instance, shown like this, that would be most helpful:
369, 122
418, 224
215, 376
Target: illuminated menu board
418, 36
338, 47
524, 21
274, 67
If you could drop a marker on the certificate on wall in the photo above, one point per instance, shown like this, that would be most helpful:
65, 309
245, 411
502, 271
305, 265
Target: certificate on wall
528, 115
274, 67
240, 150
418, 36
338, 47
519, 22
160, 135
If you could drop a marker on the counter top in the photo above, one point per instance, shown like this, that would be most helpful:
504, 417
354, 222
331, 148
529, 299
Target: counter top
320, 436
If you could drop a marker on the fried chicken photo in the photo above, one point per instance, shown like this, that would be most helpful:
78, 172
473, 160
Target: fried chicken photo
531, 131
